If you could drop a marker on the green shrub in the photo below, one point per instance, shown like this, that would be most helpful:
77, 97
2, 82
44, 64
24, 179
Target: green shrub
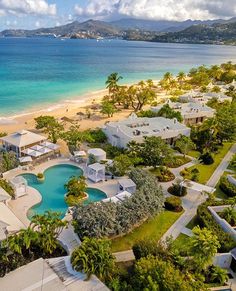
163, 174
40, 176
177, 190
97, 135
228, 188
207, 159
7, 187
177, 162
206, 220
173, 204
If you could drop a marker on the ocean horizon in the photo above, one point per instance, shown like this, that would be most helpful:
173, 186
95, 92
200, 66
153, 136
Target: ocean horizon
40, 72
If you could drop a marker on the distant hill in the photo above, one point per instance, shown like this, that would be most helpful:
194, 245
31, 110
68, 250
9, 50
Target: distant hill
217, 33
88, 29
159, 26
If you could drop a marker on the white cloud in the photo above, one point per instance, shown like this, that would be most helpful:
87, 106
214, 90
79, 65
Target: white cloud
26, 7
159, 9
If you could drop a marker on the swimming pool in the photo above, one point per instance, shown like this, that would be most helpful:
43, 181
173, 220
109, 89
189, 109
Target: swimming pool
52, 189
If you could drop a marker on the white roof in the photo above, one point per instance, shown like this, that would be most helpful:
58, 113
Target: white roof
97, 167
123, 195
26, 159
53, 146
4, 195
96, 152
126, 183
7, 216
27, 151
112, 199
23, 138
143, 126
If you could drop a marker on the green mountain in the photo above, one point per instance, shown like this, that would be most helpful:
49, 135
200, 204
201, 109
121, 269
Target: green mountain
218, 33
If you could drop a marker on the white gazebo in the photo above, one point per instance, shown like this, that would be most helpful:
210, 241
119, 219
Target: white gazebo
126, 185
19, 185
99, 154
96, 172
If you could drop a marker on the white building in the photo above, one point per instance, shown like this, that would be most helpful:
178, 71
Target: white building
27, 143
196, 96
191, 112
98, 154
135, 129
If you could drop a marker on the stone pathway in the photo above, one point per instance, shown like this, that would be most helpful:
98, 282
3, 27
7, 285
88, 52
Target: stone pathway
187, 231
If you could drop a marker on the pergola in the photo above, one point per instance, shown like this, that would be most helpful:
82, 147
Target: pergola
126, 185
19, 185
96, 172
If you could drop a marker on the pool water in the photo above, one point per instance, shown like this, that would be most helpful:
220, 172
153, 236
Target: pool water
52, 189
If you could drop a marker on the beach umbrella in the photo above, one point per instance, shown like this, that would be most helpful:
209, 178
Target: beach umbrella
37, 148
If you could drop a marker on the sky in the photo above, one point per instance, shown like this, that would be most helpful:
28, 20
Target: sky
32, 14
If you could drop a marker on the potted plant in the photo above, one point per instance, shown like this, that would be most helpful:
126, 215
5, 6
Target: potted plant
40, 177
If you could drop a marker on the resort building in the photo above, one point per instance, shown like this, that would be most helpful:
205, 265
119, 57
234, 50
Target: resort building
135, 129
26, 143
196, 96
192, 112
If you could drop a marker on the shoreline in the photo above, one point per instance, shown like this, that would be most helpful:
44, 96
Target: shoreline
64, 108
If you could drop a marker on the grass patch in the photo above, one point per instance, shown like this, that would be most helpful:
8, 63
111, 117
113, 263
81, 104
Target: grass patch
163, 174
206, 171
182, 243
219, 193
152, 229
194, 154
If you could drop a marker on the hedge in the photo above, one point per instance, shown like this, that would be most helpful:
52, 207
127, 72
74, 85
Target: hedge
227, 187
206, 220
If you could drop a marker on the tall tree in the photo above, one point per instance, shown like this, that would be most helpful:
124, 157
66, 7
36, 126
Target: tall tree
112, 84
184, 144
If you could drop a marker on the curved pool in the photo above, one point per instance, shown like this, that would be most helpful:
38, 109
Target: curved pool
52, 189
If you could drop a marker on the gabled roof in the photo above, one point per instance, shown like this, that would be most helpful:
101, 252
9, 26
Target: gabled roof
23, 138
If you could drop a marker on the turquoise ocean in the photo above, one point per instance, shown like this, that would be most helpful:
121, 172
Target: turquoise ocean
38, 72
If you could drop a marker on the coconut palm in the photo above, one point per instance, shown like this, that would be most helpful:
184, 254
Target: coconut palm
112, 82
181, 77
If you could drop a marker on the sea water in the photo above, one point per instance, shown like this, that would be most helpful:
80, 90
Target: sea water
36, 72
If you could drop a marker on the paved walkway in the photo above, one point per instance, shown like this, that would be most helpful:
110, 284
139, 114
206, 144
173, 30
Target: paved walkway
191, 204
212, 182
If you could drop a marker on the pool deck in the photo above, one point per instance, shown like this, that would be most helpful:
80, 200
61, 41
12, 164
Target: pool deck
21, 205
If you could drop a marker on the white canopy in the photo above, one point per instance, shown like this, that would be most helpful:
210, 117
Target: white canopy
45, 143
98, 153
127, 185
36, 154
27, 151
37, 148
45, 150
26, 159
96, 172
53, 146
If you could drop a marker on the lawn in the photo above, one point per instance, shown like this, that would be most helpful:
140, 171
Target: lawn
152, 229
194, 154
206, 171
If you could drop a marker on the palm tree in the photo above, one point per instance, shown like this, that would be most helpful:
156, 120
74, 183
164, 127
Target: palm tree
94, 256
112, 82
181, 77
168, 77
